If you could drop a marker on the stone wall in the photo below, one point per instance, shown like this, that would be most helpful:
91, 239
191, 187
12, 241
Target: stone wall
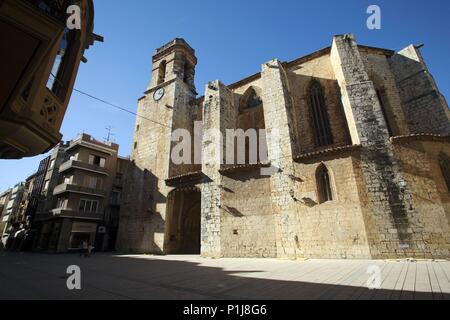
425, 108
380, 73
429, 227
334, 229
139, 221
247, 222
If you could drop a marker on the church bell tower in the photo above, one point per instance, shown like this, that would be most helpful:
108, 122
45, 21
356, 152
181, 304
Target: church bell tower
164, 108
170, 90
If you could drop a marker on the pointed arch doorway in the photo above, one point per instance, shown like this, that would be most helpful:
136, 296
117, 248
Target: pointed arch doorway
183, 222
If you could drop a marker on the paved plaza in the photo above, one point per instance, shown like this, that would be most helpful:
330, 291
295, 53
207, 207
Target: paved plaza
36, 276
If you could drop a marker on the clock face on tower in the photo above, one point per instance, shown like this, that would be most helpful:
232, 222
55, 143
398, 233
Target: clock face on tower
158, 94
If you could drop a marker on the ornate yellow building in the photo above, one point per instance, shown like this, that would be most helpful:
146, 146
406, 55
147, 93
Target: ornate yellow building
39, 60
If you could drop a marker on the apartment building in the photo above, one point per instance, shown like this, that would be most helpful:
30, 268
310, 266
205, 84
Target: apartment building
82, 191
112, 215
4, 199
35, 200
36, 196
21, 218
16, 226
11, 211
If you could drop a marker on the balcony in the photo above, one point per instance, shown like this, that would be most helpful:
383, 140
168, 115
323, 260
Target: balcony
74, 164
67, 213
30, 114
70, 188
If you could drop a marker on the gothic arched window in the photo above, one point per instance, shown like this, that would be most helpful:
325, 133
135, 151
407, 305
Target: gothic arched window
250, 120
444, 163
251, 100
320, 115
324, 186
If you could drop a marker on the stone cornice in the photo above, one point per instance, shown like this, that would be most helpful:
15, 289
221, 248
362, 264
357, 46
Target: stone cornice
421, 137
191, 177
175, 45
243, 167
327, 152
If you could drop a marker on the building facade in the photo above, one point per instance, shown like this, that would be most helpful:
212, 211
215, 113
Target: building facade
22, 216
81, 196
357, 162
11, 212
39, 59
36, 200
19, 235
4, 200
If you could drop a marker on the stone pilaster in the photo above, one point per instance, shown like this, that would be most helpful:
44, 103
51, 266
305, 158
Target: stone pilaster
183, 119
388, 206
217, 119
277, 104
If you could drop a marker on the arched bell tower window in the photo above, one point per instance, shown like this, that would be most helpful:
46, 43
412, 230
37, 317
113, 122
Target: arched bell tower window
161, 72
324, 185
320, 117
444, 164
188, 74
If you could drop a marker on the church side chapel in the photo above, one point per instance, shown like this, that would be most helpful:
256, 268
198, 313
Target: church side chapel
359, 167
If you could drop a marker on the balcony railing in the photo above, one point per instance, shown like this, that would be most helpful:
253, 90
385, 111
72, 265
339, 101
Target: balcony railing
74, 164
70, 188
67, 213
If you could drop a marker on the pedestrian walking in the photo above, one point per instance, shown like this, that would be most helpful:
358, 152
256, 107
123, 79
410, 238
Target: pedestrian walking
84, 249
89, 250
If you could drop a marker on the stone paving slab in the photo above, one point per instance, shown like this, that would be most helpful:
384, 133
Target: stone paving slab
36, 276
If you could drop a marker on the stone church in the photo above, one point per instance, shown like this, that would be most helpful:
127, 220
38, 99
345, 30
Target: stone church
359, 167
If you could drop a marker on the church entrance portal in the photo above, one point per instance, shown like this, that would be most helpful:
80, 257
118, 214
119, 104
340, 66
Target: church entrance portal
183, 222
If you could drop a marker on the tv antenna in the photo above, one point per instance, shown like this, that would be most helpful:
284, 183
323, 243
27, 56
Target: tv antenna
110, 136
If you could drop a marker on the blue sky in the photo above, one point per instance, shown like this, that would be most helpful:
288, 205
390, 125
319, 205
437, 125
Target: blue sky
232, 39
